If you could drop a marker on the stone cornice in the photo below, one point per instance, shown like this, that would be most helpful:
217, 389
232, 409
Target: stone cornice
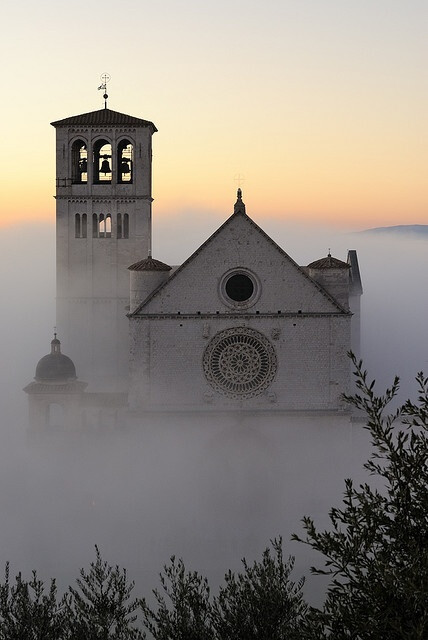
117, 128
94, 299
126, 199
236, 316
72, 388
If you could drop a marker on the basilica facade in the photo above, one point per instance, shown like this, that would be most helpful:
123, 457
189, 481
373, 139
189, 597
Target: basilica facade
238, 327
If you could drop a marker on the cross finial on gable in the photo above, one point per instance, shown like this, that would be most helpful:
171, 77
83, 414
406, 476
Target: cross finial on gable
239, 205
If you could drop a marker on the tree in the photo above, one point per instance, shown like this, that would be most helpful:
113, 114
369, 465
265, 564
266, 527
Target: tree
261, 603
100, 608
183, 606
377, 549
28, 611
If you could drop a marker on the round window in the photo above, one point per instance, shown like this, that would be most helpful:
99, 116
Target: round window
239, 287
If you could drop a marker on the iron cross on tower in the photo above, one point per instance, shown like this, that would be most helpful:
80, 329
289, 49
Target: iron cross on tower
105, 77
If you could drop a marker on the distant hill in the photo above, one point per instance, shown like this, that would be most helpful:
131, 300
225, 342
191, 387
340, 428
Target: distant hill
421, 230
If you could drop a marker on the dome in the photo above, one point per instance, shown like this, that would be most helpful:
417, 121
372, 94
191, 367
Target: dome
55, 366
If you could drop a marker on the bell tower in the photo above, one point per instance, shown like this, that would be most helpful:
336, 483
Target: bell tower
103, 225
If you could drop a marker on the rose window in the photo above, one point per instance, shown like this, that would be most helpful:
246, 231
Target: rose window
239, 362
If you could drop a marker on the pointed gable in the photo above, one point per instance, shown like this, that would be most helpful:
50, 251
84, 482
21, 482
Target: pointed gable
239, 247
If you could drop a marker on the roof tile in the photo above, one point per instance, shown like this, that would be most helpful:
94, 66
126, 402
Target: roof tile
103, 117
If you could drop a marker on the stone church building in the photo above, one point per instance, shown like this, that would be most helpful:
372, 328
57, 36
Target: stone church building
238, 327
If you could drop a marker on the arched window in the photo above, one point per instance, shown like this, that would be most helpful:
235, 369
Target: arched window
79, 162
102, 162
125, 162
122, 225
77, 225
125, 225
84, 225
107, 226
101, 226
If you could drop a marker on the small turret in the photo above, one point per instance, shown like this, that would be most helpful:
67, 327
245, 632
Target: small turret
55, 397
333, 275
145, 276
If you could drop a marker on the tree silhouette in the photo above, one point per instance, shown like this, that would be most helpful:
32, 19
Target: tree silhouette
376, 551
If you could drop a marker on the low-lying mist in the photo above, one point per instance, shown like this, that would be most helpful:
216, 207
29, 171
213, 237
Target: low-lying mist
210, 491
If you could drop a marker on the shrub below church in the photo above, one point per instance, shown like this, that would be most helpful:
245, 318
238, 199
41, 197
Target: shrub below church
30, 611
101, 607
262, 602
376, 551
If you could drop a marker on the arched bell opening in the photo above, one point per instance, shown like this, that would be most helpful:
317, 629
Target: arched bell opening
125, 162
79, 162
102, 162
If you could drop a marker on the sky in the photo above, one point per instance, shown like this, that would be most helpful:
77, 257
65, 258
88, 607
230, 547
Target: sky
316, 108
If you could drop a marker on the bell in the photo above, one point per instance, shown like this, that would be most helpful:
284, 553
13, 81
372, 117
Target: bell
124, 167
83, 166
105, 167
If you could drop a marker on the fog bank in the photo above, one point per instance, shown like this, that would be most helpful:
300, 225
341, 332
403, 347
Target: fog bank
210, 491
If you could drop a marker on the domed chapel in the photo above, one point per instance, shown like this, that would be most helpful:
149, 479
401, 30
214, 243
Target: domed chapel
238, 327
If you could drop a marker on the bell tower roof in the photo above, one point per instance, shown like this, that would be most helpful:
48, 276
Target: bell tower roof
104, 117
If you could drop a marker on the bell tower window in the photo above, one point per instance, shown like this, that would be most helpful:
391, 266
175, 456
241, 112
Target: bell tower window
79, 162
102, 162
122, 225
125, 162
84, 225
125, 225
77, 225
101, 226
80, 225
105, 226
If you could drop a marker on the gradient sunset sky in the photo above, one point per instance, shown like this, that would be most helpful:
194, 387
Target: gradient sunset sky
321, 105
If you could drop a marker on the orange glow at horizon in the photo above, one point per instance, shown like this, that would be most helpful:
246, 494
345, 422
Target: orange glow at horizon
344, 204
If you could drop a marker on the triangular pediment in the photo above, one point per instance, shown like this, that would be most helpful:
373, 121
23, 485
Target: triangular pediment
239, 246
